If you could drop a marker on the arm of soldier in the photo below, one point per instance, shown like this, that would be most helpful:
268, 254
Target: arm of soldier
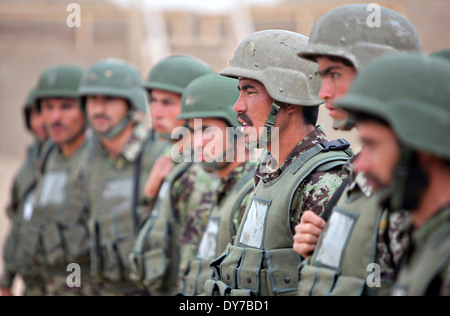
313, 195
307, 233
161, 168
6, 282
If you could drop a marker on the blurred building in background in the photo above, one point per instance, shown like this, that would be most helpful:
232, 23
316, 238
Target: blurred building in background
34, 35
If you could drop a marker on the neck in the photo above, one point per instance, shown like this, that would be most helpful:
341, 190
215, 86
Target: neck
68, 149
115, 145
436, 196
288, 139
223, 173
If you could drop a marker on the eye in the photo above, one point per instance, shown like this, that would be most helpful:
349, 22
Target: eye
334, 75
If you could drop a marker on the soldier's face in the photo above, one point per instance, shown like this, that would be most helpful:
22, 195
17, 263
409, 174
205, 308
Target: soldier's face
380, 153
210, 139
253, 108
165, 107
106, 112
337, 79
37, 125
63, 119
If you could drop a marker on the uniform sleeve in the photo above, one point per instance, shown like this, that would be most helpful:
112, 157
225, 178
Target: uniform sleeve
445, 287
314, 193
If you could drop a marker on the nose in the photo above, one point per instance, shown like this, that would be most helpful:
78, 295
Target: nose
326, 90
239, 106
362, 162
156, 110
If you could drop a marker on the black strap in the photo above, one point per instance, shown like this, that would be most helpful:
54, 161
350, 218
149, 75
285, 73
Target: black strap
334, 199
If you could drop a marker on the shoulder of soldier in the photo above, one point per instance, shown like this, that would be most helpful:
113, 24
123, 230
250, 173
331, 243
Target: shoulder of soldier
316, 190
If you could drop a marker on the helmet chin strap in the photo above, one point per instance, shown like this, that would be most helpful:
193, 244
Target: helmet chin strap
119, 128
343, 124
264, 141
409, 182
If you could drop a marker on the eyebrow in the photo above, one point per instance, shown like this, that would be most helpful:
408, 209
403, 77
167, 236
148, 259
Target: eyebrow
246, 87
328, 70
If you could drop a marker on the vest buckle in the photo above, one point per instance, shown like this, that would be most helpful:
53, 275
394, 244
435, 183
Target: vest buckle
334, 145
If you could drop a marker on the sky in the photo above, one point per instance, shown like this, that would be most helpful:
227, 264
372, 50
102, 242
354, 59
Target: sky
195, 5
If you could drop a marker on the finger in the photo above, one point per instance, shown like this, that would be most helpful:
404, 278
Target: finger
312, 218
304, 250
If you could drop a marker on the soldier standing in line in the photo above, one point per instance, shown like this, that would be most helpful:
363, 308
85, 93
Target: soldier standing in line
210, 98
278, 93
112, 173
58, 234
20, 210
343, 46
401, 109
165, 84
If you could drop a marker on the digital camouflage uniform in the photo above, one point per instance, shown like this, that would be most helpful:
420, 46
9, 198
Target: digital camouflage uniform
261, 261
20, 210
179, 216
376, 236
316, 190
194, 270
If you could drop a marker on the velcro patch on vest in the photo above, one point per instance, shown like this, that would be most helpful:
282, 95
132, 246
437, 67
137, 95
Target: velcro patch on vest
54, 188
117, 195
208, 245
254, 226
335, 237
28, 206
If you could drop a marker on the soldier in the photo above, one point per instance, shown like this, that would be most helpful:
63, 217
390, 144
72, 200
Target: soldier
58, 233
340, 267
210, 98
122, 151
169, 238
279, 92
165, 84
400, 106
20, 210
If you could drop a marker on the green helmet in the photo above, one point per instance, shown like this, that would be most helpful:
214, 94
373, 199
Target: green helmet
29, 104
445, 53
174, 73
210, 96
116, 78
270, 57
416, 106
59, 81
346, 32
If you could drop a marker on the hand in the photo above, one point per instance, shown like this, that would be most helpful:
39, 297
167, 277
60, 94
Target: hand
161, 168
5, 291
307, 233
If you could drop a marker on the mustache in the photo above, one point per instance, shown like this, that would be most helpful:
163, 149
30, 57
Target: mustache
244, 117
101, 116
57, 124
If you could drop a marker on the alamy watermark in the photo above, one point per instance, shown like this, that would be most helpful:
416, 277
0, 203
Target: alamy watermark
374, 278
74, 278
74, 18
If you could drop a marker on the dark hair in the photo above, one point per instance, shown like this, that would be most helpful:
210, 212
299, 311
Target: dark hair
338, 59
311, 114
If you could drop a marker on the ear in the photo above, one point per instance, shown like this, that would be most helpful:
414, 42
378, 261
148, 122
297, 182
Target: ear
291, 108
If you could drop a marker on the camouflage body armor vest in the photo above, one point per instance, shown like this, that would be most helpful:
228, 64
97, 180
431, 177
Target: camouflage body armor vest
345, 248
417, 276
58, 233
114, 199
261, 261
155, 247
218, 235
